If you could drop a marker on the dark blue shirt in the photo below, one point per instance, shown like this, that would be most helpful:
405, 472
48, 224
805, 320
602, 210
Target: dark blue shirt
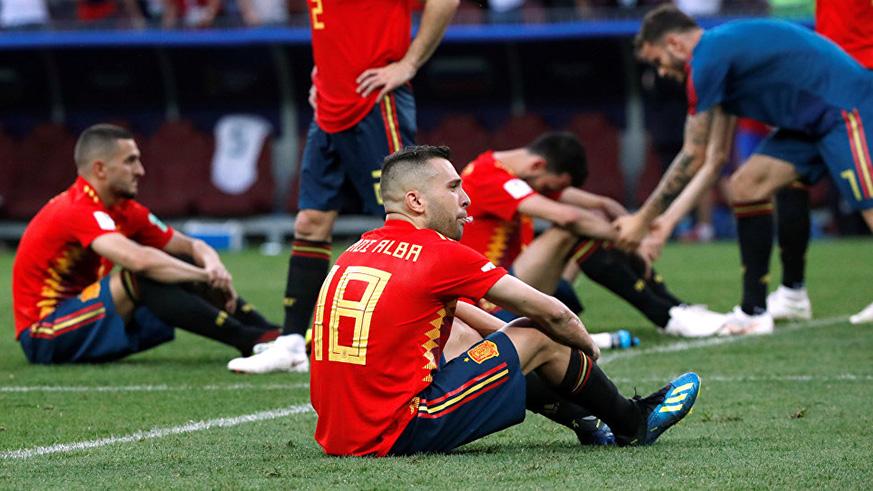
777, 73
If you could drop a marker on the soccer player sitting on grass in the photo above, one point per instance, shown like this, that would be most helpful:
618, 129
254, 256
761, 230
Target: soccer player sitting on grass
70, 307
511, 187
399, 366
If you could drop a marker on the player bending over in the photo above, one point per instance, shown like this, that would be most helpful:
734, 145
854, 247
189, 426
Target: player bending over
509, 188
780, 74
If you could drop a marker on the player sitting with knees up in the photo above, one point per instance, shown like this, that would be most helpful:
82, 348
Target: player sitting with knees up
70, 307
509, 188
384, 381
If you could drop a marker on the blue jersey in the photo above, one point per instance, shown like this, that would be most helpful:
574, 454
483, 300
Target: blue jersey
777, 73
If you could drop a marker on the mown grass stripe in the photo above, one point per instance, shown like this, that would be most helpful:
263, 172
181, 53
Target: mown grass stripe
26, 453
147, 388
718, 341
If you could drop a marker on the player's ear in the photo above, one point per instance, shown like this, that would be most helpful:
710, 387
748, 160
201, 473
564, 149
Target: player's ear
98, 168
413, 201
537, 164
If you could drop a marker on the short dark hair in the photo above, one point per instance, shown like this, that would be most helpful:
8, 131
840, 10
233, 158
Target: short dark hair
409, 158
661, 20
564, 153
98, 138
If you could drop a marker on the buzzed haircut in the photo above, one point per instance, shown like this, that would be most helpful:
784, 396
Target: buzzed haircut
413, 158
98, 141
564, 153
658, 22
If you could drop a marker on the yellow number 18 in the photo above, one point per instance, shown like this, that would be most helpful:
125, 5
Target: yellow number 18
360, 311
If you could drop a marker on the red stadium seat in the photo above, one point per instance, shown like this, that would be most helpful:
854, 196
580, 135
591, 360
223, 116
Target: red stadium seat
601, 142
8, 148
257, 199
176, 159
462, 134
43, 167
518, 131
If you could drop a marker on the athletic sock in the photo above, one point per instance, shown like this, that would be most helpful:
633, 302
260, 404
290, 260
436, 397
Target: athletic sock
755, 233
614, 272
792, 225
542, 399
587, 385
178, 307
654, 281
249, 315
307, 269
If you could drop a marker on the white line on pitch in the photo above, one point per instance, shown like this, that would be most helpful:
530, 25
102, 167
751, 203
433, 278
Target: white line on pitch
842, 377
26, 453
718, 341
147, 388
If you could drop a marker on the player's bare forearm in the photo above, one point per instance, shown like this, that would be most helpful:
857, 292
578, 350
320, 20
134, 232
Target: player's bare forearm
683, 168
592, 225
434, 20
717, 154
481, 321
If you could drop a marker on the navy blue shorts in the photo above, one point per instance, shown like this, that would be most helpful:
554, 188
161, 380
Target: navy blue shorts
478, 393
87, 329
355, 155
843, 152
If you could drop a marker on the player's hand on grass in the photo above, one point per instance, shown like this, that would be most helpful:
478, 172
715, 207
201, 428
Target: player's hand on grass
630, 229
388, 77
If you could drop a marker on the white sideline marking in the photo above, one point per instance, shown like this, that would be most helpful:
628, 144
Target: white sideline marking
718, 341
842, 377
147, 388
27, 453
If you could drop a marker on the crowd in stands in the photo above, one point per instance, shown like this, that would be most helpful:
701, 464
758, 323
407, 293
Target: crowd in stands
170, 14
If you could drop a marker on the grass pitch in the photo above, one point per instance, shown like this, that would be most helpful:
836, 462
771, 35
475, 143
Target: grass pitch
791, 410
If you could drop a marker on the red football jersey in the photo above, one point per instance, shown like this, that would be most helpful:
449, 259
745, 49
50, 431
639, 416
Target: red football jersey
849, 23
382, 318
348, 37
54, 261
498, 231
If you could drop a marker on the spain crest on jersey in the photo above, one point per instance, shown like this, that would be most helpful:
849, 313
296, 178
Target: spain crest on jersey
483, 351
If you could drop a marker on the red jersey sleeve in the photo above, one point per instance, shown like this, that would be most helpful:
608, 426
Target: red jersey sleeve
499, 193
86, 223
144, 227
463, 272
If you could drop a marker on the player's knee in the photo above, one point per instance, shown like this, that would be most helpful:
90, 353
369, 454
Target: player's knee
744, 188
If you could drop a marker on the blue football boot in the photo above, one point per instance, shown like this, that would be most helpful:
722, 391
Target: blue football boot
592, 431
667, 406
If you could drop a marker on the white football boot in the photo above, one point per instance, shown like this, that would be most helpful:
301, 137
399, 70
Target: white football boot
693, 321
789, 304
863, 316
739, 323
285, 354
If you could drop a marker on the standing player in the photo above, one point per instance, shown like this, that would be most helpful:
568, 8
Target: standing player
849, 23
785, 76
510, 188
69, 307
385, 378
364, 110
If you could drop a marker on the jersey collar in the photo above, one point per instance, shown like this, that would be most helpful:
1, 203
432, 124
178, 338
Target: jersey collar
84, 188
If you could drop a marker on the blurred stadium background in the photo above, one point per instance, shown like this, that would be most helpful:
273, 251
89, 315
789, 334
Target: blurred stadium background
219, 105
